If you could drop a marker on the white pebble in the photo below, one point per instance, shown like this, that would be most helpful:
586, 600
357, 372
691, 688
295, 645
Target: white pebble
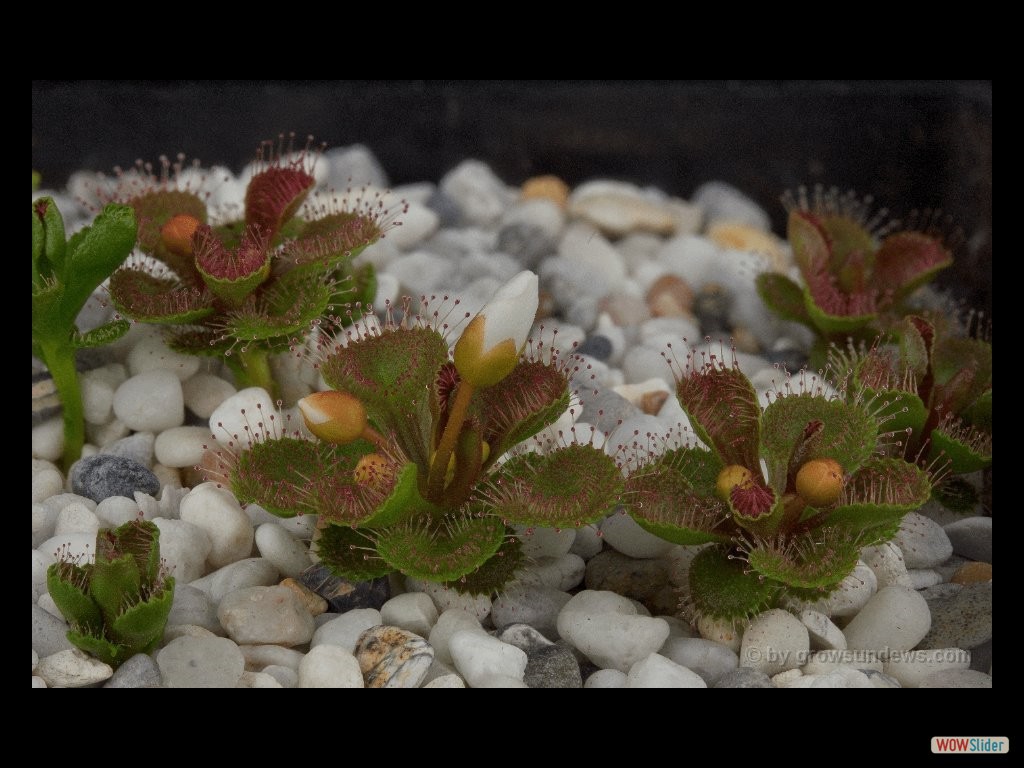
117, 510
97, 398
418, 223
259, 657
824, 635
182, 446
104, 435
887, 563
913, 667
624, 534
286, 553
328, 666
728, 632
76, 518
344, 631
447, 597
706, 658
448, 623
895, 619
922, 578
150, 402
299, 527
45, 484
413, 611
285, 676
48, 440
72, 669
846, 600
40, 562
245, 417
656, 671
477, 656
618, 208
587, 250
258, 680
44, 519
251, 572
562, 573
587, 543
820, 662
538, 213
46, 602
218, 512
266, 616
446, 681
499, 681
184, 547
606, 627
480, 195
723, 202
150, 353
545, 542
38, 682
923, 542
200, 662
774, 642
607, 678
204, 392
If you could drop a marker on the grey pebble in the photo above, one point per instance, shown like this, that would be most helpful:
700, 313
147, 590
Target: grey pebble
972, 538
744, 677
140, 671
962, 620
552, 666
103, 475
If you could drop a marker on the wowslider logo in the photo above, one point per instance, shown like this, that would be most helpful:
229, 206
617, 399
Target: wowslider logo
970, 745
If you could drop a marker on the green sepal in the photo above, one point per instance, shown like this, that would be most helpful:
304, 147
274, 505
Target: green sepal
721, 586
441, 550
784, 297
962, 456
102, 335
569, 487
78, 608
141, 627
114, 582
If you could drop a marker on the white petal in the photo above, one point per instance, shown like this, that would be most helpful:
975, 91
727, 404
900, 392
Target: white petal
511, 311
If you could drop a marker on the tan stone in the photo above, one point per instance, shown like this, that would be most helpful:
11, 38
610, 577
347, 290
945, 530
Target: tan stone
313, 602
546, 187
972, 573
670, 296
743, 237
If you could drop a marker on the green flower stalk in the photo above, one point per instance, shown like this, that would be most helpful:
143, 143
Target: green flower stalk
246, 288
420, 463
786, 495
64, 275
118, 605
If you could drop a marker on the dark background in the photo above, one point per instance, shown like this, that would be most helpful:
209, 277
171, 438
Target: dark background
911, 144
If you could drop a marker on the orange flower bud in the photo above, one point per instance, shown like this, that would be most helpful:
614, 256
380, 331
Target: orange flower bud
819, 482
177, 234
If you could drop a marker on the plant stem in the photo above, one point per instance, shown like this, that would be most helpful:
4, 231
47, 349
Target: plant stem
60, 359
439, 464
252, 369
